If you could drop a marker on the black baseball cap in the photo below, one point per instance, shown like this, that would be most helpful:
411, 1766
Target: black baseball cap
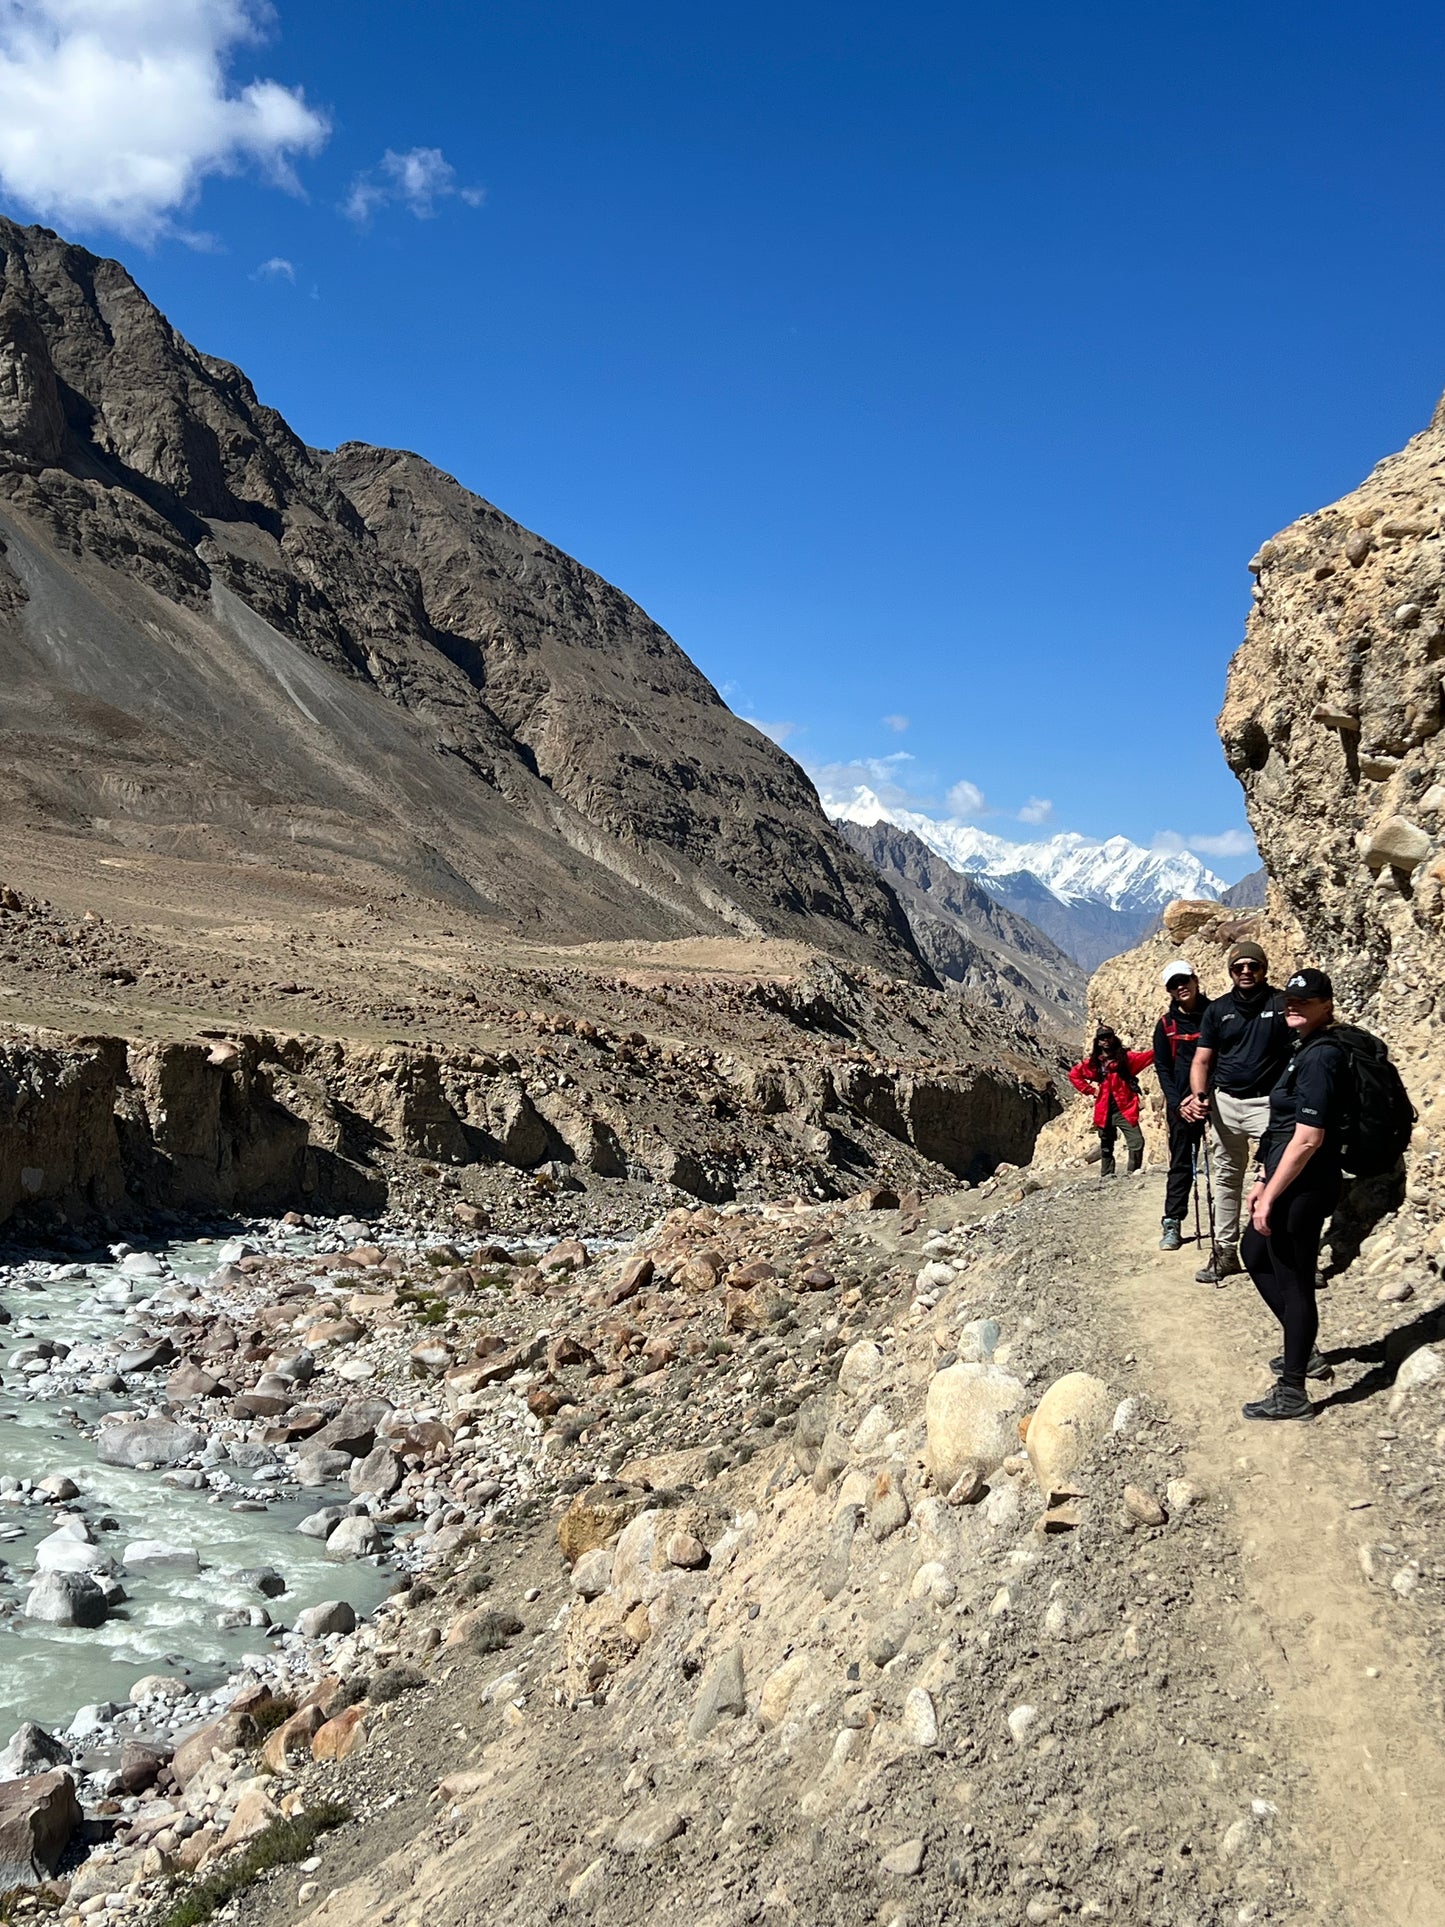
1311, 984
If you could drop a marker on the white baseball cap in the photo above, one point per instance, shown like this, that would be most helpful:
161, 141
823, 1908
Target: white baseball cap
1179, 968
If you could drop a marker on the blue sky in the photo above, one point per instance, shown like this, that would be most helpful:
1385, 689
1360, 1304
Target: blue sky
930, 373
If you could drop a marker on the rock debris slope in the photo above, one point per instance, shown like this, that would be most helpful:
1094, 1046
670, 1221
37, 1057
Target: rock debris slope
217, 642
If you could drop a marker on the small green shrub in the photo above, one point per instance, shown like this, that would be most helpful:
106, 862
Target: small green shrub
270, 1714
490, 1633
392, 1681
282, 1844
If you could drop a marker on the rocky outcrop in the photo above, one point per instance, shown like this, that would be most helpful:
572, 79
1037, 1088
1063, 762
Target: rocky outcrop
257, 1122
1332, 723
219, 642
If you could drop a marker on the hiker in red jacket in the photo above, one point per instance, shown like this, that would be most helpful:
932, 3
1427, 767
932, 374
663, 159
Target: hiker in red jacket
1110, 1075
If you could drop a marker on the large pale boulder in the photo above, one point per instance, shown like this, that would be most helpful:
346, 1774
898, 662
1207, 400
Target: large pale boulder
972, 1413
1072, 1421
37, 1817
147, 1441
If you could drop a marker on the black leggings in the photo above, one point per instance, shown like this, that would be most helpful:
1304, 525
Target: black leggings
1183, 1138
1283, 1267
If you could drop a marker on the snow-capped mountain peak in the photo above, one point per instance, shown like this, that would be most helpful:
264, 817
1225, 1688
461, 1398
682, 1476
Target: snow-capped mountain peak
1077, 869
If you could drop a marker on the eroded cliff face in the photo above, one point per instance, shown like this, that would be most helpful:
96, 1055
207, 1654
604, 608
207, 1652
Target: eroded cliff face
1332, 722
102, 1129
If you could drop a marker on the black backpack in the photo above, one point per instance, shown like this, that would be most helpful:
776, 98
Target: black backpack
1379, 1117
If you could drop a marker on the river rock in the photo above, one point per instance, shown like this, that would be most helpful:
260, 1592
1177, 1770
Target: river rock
143, 1264
378, 1474
57, 1489
354, 1538
68, 1551
972, 1418
38, 1815
1072, 1421
354, 1428
155, 1555
265, 1580
140, 1764
150, 1441
321, 1525
331, 1616
66, 1599
322, 1466
32, 1750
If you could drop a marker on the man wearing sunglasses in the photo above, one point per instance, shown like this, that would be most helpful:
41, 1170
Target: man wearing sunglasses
1244, 1046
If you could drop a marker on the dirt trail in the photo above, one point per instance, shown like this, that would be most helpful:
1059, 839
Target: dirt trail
1315, 1626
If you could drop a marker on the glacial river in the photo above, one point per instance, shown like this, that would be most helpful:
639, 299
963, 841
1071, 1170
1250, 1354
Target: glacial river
168, 1621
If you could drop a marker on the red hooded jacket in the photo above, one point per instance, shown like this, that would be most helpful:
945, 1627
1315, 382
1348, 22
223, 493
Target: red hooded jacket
1122, 1091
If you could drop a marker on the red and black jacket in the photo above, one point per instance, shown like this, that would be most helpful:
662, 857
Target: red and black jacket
1176, 1038
1114, 1088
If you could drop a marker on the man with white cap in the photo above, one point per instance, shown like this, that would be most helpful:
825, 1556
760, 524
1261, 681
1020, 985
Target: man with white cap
1176, 1038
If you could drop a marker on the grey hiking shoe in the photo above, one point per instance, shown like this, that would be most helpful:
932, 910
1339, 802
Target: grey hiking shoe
1283, 1400
1318, 1367
1171, 1241
1224, 1264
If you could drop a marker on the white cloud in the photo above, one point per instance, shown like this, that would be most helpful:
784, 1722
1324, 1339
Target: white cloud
278, 268
113, 112
1038, 809
966, 799
415, 180
1226, 843
877, 773
775, 732
897, 723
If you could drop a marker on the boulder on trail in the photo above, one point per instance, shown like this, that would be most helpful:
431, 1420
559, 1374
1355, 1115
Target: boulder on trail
1072, 1421
972, 1417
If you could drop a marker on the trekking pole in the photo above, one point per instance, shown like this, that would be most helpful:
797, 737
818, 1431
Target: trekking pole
1198, 1232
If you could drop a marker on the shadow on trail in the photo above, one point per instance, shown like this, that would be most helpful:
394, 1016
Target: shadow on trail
1384, 1356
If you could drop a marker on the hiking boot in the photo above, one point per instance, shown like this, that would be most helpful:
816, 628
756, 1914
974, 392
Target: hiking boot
1224, 1264
1318, 1367
1283, 1400
1171, 1241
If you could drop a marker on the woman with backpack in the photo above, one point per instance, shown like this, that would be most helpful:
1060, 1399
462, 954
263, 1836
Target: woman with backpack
1110, 1075
1300, 1186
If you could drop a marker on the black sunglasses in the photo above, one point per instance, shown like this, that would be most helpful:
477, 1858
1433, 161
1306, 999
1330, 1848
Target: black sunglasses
1245, 963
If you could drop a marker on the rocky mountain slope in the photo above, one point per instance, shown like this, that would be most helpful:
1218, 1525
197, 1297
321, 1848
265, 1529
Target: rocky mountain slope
220, 644
1249, 893
969, 937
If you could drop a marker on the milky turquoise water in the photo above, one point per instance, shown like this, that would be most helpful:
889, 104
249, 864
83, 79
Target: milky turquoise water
168, 1621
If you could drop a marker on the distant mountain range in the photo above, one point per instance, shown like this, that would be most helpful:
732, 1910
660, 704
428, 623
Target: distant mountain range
970, 937
1093, 898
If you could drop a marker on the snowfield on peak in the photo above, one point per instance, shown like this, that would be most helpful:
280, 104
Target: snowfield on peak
1077, 869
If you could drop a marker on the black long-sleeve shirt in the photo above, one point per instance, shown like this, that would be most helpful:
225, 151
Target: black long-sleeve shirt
1176, 1038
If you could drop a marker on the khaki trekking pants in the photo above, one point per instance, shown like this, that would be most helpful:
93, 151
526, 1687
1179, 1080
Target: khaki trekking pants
1233, 1122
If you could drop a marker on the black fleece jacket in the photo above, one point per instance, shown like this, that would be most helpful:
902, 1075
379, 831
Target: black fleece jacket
1174, 1054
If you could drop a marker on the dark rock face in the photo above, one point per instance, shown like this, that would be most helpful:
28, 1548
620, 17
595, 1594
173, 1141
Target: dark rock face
216, 638
969, 937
